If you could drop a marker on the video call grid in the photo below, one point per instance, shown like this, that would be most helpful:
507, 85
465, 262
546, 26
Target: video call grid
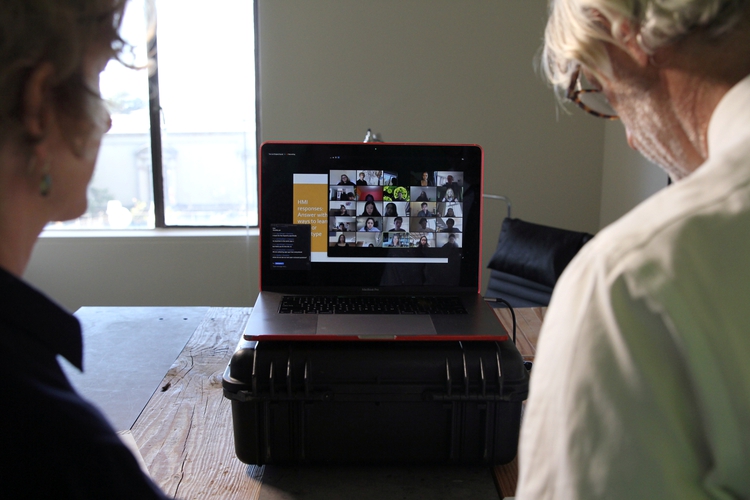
371, 208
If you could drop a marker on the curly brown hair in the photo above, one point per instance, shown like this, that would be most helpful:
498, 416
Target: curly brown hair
59, 32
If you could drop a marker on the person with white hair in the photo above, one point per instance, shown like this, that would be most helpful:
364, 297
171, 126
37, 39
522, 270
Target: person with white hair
641, 382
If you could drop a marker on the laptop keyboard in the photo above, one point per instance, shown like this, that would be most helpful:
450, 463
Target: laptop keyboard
297, 304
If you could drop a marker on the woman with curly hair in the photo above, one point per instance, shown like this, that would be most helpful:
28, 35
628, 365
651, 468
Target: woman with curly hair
55, 444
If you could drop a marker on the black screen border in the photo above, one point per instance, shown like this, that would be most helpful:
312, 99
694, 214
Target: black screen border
279, 161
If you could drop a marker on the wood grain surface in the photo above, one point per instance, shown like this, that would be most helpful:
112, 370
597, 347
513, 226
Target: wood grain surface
185, 431
529, 322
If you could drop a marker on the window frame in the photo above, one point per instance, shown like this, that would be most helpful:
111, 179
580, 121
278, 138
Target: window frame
155, 132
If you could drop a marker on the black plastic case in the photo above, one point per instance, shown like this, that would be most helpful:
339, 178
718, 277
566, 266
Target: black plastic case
376, 402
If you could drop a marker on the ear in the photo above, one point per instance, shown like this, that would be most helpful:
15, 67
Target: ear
37, 105
629, 39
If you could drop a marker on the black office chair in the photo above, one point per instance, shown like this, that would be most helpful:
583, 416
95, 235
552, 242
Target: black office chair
529, 259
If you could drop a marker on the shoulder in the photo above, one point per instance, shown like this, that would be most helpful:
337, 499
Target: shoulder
57, 431
635, 324
676, 246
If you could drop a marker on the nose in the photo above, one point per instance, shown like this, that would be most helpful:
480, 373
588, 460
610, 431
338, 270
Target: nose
107, 121
631, 140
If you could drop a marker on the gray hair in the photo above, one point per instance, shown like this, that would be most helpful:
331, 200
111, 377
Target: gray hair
576, 29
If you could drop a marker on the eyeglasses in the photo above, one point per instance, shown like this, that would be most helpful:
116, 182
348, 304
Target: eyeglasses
590, 99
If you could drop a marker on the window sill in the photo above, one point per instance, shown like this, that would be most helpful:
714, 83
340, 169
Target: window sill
208, 232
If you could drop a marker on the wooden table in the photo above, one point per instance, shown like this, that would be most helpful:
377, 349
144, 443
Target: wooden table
528, 323
185, 431
185, 434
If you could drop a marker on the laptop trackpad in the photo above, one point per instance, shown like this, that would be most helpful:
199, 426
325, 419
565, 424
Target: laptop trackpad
375, 325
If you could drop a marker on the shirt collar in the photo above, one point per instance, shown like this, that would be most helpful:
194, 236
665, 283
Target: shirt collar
30, 312
727, 119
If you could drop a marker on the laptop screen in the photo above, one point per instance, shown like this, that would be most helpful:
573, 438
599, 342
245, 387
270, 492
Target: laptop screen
354, 217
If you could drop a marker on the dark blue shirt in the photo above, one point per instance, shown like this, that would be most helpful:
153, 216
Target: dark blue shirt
54, 444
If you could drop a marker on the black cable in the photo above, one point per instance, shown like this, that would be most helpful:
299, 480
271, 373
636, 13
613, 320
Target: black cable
512, 313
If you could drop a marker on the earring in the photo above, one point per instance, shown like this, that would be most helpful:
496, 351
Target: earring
45, 186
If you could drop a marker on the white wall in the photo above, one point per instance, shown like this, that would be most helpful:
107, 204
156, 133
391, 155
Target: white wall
422, 70
174, 270
438, 71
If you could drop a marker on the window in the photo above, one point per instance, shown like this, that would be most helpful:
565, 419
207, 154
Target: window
182, 148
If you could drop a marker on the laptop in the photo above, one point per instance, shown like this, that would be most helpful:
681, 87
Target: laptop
371, 241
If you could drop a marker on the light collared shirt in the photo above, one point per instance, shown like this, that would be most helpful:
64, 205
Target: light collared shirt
641, 383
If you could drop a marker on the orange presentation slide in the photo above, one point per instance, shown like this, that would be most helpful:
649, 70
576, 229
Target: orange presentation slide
311, 207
